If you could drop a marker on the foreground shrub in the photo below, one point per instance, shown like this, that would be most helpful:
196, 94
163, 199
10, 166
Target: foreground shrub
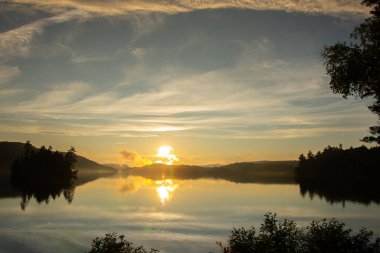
324, 236
113, 243
243, 240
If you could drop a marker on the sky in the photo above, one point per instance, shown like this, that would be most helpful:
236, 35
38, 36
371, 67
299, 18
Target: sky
218, 81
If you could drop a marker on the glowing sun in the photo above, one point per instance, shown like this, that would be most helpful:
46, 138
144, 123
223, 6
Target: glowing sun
166, 156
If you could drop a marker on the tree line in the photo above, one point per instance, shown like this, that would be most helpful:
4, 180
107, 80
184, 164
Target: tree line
339, 174
335, 163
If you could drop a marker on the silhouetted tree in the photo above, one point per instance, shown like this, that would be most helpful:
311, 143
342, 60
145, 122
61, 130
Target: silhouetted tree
324, 236
355, 67
71, 157
341, 174
28, 149
44, 174
275, 236
113, 243
242, 240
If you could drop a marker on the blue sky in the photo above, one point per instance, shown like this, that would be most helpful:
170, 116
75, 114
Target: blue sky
219, 81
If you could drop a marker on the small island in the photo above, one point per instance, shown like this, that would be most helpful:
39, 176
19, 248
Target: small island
44, 174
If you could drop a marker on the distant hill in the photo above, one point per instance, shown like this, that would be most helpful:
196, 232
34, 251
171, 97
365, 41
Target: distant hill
244, 172
9, 151
119, 167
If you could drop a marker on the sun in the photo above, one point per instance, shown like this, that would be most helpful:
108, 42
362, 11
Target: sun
165, 155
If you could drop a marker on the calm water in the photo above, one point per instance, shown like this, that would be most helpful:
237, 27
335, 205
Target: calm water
169, 215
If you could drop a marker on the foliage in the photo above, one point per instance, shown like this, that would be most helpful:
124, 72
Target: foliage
355, 67
242, 240
324, 236
284, 236
340, 174
359, 164
113, 243
44, 173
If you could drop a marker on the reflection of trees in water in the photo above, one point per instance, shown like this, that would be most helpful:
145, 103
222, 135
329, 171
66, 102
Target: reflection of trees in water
340, 193
339, 175
42, 189
44, 174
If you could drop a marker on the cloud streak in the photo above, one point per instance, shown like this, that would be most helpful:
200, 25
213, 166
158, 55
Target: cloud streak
258, 98
207, 76
116, 7
7, 73
216, 104
18, 42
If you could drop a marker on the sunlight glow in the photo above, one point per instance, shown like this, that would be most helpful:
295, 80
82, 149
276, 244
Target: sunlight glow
166, 156
165, 189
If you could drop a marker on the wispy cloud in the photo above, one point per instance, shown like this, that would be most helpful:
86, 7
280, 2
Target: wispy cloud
21, 40
174, 6
218, 104
7, 73
140, 73
18, 42
260, 97
56, 96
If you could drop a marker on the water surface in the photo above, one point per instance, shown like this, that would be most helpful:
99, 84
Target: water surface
170, 215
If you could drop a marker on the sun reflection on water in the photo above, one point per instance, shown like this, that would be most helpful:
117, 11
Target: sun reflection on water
165, 189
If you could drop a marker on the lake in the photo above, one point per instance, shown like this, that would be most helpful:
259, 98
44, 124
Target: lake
170, 215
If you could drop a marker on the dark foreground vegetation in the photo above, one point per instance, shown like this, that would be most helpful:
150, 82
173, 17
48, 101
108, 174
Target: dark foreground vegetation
341, 174
285, 236
114, 243
324, 236
44, 174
